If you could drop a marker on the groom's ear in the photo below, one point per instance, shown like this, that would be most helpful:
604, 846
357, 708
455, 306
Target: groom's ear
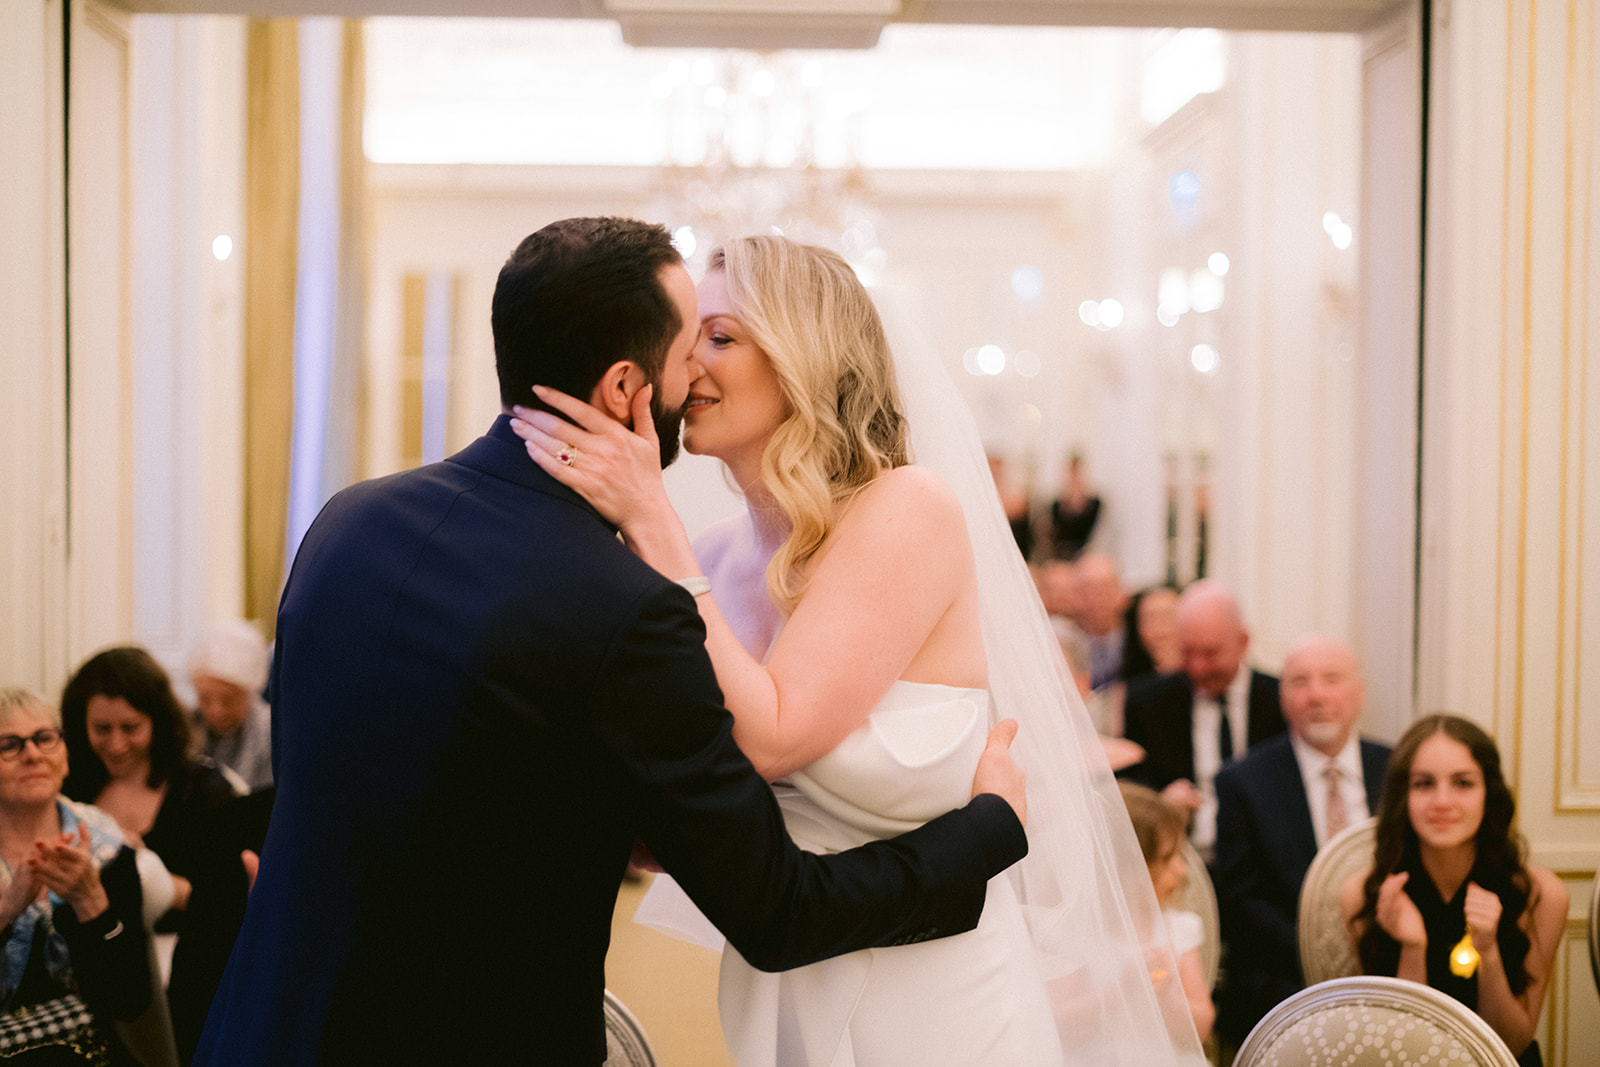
614, 393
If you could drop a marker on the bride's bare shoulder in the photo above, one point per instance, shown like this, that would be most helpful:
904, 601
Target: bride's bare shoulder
911, 492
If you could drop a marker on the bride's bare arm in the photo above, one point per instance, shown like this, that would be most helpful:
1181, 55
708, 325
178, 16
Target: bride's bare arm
897, 566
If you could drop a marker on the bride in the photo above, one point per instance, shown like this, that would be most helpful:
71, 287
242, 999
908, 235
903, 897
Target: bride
868, 619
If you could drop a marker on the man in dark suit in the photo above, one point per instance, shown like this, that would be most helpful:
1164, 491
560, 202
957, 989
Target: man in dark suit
1190, 724
1277, 807
482, 699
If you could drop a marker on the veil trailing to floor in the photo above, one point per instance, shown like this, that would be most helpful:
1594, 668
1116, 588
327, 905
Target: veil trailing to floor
1084, 886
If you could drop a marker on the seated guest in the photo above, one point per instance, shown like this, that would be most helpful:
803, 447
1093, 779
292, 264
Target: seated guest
130, 741
1057, 580
1159, 826
1275, 809
1150, 647
1192, 723
1073, 512
70, 903
1100, 605
1451, 901
228, 669
1151, 626
1014, 501
1104, 705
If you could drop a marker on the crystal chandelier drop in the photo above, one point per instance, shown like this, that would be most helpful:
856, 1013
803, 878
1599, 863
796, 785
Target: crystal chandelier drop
740, 135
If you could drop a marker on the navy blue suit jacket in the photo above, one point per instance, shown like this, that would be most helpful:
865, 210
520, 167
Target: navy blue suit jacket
481, 698
1265, 843
1159, 714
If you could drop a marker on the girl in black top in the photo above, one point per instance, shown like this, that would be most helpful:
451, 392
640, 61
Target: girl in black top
1451, 901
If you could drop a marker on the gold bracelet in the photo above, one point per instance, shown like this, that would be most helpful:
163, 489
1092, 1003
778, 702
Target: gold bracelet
696, 585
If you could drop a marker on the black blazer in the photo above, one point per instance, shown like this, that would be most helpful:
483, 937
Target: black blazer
480, 700
1265, 843
1159, 714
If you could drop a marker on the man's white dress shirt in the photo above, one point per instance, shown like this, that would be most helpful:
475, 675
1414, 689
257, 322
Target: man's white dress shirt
1352, 787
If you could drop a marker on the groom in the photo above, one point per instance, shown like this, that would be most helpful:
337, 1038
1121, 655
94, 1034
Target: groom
481, 699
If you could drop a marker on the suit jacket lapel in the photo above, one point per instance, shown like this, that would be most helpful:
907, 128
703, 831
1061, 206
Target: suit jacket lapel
1261, 725
1290, 788
1182, 717
1374, 763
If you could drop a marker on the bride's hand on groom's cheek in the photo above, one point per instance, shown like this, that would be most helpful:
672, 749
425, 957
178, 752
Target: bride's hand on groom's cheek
618, 470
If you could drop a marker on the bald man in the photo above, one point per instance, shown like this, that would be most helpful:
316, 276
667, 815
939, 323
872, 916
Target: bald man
1277, 806
1194, 722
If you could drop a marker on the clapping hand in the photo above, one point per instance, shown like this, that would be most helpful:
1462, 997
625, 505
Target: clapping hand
65, 867
1183, 794
23, 890
1483, 917
1397, 914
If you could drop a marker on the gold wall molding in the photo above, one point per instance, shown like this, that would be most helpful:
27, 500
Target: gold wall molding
1577, 723
272, 188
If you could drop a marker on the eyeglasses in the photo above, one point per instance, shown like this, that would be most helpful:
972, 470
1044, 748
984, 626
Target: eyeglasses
46, 740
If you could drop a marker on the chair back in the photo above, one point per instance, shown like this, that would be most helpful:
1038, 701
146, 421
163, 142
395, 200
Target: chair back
626, 1044
1325, 950
1368, 1022
149, 1038
1594, 929
1200, 896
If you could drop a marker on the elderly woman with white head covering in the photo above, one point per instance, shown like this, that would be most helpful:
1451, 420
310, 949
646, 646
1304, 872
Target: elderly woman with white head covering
228, 668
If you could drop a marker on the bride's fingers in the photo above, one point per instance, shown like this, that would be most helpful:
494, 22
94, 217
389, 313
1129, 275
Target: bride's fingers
584, 415
536, 436
542, 449
643, 423
548, 424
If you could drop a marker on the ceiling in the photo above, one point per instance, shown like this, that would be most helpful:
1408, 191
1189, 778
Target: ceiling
771, 24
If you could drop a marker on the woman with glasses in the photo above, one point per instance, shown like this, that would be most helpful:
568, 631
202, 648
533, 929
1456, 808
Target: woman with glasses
72, 936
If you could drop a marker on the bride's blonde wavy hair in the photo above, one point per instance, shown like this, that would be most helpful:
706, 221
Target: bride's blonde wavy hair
806, 309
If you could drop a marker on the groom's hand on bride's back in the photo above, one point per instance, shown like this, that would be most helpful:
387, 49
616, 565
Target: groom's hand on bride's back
998, 773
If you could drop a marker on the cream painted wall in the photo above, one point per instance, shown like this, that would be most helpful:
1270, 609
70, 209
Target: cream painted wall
1510, 436
101, 381
33, 507
187, 188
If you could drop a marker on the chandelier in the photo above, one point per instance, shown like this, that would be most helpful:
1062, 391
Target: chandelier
741, 150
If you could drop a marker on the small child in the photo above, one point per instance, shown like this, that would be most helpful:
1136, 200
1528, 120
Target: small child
1159, 827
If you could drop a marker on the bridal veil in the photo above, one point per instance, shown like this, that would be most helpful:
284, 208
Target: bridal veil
1084, 887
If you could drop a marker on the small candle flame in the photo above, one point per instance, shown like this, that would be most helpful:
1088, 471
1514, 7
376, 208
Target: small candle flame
1464, 958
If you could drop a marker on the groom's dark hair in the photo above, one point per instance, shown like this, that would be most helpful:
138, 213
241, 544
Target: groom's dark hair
578, 296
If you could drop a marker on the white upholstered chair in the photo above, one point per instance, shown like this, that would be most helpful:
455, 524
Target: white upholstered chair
1325, 950
149, 1038
1594, 929
1200, 896
626, 1044
1372, 1022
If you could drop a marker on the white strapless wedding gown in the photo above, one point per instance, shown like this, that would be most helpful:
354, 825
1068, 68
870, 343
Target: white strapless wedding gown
970, 1000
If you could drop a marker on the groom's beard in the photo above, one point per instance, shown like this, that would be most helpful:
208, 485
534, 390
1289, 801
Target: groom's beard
668, 424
